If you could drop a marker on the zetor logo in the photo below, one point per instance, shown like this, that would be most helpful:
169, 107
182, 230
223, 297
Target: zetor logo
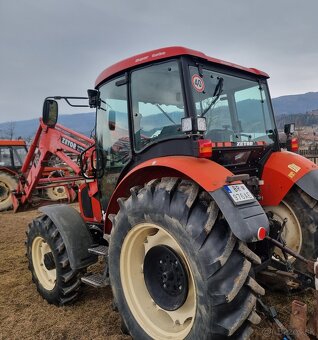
71, 144
244, 143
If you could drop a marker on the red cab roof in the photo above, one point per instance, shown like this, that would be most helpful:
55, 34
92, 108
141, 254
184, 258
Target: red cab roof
164, 53
9, 142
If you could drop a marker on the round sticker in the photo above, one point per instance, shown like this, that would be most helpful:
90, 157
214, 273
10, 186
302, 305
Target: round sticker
198, 83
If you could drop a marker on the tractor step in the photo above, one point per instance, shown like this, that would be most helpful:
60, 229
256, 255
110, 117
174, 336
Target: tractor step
99, 250
96, 280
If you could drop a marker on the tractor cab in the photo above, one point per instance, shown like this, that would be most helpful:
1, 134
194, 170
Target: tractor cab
173, 102
12, 154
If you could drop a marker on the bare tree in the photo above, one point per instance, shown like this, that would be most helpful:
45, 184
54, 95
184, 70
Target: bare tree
8, 131
11, 128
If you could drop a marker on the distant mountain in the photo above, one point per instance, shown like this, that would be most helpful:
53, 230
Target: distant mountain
84, 122
80, 122
298, 103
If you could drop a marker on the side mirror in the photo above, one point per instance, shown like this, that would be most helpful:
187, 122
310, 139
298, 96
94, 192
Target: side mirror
289, 129
50, 112
112, 120
93, 98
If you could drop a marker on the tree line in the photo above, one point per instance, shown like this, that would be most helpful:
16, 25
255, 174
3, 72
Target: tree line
300, 119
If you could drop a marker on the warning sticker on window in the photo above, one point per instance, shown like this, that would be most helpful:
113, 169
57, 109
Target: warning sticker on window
198, 83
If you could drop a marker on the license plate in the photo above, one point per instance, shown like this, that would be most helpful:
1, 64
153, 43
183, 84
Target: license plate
239, 193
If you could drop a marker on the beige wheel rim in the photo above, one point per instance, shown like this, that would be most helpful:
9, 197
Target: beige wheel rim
46, 277
157, 323
292, 233
57, 193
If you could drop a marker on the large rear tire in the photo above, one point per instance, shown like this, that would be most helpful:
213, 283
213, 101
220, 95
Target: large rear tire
49, 263
7, 184
176, 269
300, 232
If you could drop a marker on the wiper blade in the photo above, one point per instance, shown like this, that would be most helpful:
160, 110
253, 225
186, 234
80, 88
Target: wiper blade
166, 114
217, 93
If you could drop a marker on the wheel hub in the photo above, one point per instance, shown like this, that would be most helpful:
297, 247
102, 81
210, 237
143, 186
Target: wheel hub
49, 261
165, 277
292, 233
4, 191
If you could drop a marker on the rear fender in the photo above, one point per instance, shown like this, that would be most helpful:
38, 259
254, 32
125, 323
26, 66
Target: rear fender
8, 171
284, 169
244, 220
74, 232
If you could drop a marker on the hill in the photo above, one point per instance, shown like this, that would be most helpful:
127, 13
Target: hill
298, 103
284, 107
80, 122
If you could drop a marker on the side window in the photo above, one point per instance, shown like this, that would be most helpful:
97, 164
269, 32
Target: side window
112, 135
253, 112
157, 103
112, 130
5, 157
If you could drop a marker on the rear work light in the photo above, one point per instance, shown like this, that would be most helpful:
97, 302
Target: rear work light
205, 148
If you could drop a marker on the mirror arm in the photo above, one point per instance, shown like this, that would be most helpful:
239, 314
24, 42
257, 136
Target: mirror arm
67, 99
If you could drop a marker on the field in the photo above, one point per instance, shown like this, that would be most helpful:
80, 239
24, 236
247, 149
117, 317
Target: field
25, 315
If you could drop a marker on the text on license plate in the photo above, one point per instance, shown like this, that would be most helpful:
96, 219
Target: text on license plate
239, 193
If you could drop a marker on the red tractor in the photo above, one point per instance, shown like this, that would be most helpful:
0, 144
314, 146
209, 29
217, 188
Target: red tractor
12, 155
188, 196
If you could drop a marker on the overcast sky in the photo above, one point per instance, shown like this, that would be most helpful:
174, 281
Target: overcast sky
55, 47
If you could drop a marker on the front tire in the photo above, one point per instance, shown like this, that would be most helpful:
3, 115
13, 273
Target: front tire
170, 232
49, 263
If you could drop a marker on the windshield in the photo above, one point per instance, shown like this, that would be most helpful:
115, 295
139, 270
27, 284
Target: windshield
236, 109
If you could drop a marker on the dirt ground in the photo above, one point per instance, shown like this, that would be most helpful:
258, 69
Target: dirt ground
25, 315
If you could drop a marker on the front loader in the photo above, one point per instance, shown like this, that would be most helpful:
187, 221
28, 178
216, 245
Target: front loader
51, 167
191, 194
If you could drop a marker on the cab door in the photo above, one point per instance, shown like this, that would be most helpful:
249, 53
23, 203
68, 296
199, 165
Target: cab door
112, 136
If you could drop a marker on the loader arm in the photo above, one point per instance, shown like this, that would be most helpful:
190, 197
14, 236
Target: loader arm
59, 141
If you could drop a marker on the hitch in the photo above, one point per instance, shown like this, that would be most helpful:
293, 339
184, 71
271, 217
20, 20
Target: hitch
298, 319
312, 266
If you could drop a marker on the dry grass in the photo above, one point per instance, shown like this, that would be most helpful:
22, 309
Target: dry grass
25, 315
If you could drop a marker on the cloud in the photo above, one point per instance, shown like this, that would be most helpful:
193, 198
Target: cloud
59, 47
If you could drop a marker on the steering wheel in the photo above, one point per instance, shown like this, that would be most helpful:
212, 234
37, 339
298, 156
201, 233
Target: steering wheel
219, 135
236, 134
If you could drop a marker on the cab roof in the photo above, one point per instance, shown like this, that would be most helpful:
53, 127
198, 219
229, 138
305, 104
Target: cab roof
164, 53
9, 142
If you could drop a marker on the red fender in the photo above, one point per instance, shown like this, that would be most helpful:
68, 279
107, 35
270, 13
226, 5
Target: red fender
281, 171
208, 174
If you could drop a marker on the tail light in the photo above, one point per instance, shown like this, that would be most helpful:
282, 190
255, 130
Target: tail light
294, 145
261, 233
205, 148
